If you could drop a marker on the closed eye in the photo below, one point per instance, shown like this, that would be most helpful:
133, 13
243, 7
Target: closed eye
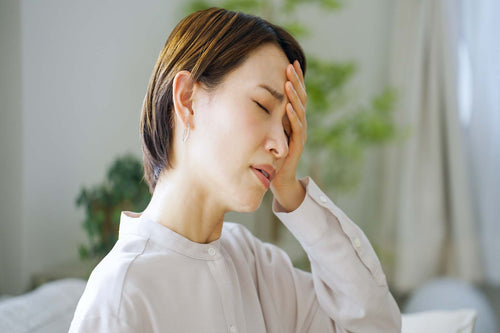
263, 108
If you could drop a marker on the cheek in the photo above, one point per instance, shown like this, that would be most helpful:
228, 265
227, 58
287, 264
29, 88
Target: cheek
225, 137
251, 133
230, 135
239, 124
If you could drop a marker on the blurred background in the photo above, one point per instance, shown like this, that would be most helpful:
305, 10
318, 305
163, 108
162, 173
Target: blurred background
404, 134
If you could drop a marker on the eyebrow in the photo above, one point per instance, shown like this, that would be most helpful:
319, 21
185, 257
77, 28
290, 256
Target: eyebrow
279, 96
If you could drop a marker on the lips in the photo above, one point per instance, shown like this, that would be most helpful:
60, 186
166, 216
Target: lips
266, 169
263, 179
265, 173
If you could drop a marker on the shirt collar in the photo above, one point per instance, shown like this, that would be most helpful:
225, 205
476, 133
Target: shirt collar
134, 224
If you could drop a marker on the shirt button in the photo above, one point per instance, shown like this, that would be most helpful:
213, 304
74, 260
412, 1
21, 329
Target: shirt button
323, 199
232, 329
211, 251
357, 243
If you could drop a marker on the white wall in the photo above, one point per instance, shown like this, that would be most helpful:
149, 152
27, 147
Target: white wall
11, 141
85, 67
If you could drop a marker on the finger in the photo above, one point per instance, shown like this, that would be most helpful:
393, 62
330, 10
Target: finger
298, 128
299, 86
295, 100
298, 69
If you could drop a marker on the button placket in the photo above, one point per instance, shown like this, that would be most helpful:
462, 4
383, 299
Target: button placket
220, 272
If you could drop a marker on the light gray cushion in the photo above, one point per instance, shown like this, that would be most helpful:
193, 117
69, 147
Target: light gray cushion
457, 321
49, 308
453, 294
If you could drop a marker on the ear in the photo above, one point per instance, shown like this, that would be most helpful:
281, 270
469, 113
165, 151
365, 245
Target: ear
182, 90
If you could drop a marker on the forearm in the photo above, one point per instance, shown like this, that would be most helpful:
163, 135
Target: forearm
347, 272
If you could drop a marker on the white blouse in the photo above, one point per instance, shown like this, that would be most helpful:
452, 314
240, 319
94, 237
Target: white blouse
155, 280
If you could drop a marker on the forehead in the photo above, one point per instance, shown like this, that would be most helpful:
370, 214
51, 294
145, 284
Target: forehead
265, 65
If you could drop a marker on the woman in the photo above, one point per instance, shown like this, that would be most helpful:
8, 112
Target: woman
223, 121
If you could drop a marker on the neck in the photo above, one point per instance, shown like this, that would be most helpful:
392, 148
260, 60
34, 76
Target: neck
180, 204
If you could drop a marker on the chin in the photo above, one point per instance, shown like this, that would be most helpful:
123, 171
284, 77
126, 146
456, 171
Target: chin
250, 204
249, 209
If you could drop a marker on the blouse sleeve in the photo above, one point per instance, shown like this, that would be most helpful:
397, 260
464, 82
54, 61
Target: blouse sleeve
347, 290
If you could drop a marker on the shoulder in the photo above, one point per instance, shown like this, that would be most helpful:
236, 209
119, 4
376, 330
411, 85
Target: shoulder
238, 241
232, 229
236, 234
104, 292
236, 238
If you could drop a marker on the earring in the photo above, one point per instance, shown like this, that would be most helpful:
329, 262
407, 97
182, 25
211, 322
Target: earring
185, 136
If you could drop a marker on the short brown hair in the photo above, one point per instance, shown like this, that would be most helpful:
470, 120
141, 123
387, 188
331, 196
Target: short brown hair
209, 44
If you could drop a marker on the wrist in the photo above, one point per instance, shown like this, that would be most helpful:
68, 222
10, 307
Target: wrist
291, 197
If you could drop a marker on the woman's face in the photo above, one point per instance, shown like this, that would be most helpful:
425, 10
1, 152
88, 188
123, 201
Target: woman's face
233, 130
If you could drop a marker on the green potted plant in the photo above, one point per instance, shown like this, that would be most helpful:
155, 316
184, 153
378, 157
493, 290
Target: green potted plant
122, 190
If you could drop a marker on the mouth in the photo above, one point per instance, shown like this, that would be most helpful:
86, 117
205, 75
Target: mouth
265, 172
262, 177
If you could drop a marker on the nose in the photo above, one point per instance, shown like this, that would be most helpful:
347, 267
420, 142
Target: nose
277, 142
